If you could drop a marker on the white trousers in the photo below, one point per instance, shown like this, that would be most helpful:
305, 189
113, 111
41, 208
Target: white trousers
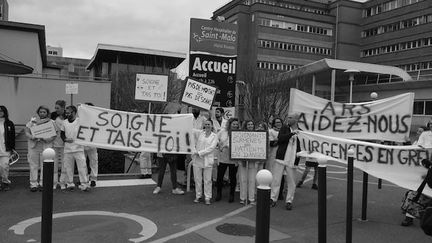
69, 164
58, 160
4, 169
92, 154
290, 178
35, 161
145, 164
201, 174
247, 180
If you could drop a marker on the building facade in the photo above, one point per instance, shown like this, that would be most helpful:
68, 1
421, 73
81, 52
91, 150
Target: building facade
281, 35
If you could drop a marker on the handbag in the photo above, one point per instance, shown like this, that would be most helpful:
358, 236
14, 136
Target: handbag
13, 157
414, 202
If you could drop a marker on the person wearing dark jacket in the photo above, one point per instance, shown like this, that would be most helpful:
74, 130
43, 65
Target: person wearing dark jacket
7, 144
286, 161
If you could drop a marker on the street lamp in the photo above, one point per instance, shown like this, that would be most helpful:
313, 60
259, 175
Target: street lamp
351, 73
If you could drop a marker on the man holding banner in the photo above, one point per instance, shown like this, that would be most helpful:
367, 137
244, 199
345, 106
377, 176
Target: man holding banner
286, 160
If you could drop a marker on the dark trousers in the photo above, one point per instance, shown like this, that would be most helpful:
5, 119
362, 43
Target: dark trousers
173, 170
232, 176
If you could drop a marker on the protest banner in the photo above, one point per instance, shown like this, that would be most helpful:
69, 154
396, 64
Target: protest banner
385, 119
128, 131
400, 165
44, 130
151, 87
248, 145
198, 94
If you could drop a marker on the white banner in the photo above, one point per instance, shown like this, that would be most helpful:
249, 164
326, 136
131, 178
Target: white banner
127, 131
151, 87
400, 165
249, 145
385, 119
198, 94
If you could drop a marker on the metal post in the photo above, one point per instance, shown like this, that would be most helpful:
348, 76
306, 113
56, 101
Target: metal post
149, 108
364, 196
349, 206
322, 204
379, 183
47, 195
262, 224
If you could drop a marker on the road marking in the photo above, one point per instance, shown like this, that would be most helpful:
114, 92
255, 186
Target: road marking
148, 227
200, 226
129, 182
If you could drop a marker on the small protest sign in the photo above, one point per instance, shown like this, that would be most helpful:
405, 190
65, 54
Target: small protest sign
45, 130
198, 94
72, 88
151, 87
248, 145
128, 131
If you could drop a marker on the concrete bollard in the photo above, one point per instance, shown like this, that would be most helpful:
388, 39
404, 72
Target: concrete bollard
262, 226
47, 195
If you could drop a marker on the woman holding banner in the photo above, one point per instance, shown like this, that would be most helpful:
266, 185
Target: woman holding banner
58, 145
203, 160
7, 144
36, 145
248, 171
224, 160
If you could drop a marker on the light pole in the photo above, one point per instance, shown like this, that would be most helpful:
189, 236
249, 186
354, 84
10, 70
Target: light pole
351, 73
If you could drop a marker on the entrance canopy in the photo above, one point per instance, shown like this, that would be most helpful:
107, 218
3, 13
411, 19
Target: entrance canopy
8, 67
329, 64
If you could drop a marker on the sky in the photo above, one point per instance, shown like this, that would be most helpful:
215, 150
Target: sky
79, 25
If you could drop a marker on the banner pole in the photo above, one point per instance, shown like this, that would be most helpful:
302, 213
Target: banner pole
149, 108
349, 205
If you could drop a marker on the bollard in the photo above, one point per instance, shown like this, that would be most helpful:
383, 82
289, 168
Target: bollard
47, 195
379, 183
322, 203
349, 206
364, 196
262, 224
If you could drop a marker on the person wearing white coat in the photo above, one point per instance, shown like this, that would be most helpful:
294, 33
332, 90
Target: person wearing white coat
203, 160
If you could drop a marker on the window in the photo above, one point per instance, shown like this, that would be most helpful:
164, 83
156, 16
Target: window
422, 107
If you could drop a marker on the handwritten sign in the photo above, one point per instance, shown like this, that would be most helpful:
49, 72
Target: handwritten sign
198, 94
151, 87
128, 131
45, 130
248, 145
385, 119
400, 165
72, 88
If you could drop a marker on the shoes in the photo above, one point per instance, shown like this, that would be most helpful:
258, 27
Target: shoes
242, 202
62, 187
84, 188
70, 188
176, 191
146, 176
218, 197
231, 198
272, 203
40, 188
197, 200
156, 190
407, 221
33, 189
314, 186
92, 183
288, 206
252, 202
299, 184
5, 187
207, 202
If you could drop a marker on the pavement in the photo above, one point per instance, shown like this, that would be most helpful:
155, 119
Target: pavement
123, 209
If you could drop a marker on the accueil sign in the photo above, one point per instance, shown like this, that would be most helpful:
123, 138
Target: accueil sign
385, 119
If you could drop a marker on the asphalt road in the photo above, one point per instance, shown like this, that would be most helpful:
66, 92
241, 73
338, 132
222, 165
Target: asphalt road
134, 214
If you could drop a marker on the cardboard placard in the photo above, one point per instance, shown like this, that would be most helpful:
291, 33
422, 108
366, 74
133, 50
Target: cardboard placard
248, 145
198, 94
151, 87
45, 130
72, 88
